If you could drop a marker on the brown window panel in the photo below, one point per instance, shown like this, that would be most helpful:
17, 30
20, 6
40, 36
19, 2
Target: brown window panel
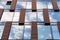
34, 6
22, 17
46, 17
1, 12
55, 6
34, 34
13, 5
58, 23
6, 31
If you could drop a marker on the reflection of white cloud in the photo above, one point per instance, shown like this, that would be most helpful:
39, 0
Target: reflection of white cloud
50, 36
31, 16
3, 4
42, 36
26, 19
7, 16
16, 16
22, 4
27, 26
40, 16
54, 16
16, 32
52, 19
58, 4
39, 26
29, 5
1, 7
1, 30
27, 35
50, 6
44, 32
55, 32
41, 5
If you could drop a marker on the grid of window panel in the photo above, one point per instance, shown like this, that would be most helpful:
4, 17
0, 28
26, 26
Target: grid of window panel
30, 19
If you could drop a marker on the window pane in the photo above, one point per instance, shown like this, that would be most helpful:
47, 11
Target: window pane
27, 32
55, 32
44, 32
30, 16
54, 16
2, 24
16, 32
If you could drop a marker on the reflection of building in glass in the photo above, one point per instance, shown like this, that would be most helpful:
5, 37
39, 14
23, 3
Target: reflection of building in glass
30, 19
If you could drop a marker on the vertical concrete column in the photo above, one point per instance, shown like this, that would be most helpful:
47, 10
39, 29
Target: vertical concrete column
55, 6
13, 5
46, 17
22, 17
34, 6
1, 12
6, 31
34, 33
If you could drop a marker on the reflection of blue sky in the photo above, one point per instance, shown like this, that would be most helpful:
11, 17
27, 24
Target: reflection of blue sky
20, 5
30, 16
29, 5
41, 5
40, 17
49, 4
27, 33
16, 32
3, 4
16, 16
55, 32
54, 16
1, 29
58, 3
44, 32
27, 0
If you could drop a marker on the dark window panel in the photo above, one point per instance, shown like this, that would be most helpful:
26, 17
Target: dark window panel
8, 3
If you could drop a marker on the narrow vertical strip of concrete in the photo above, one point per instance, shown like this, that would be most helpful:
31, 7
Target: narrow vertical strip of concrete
46, 17
55, 6
13, 5
1, 12
34, 33
22, 17
34, 6
58, 23
6, 31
